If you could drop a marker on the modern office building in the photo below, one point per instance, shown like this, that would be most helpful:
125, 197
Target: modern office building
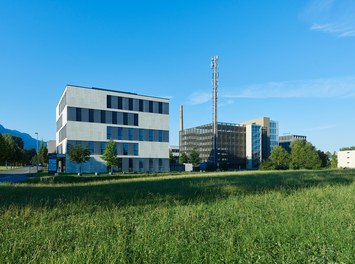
285, 141
269, 134
346, 159
239, 146
230, 142
90, 117
254, 136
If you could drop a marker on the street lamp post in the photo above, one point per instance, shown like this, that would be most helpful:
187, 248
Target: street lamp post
37, 150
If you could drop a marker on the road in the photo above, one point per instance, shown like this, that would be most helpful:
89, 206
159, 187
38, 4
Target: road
16, 175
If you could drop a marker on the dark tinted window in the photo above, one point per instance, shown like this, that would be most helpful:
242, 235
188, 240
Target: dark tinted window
109, 98
78, 114
150, 106
125, 118
141, 105
135, 120
91, 115
119, 102
103, 116
160, 106
114, 117
130, 104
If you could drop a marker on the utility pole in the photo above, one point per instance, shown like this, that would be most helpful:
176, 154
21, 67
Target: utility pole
214, 64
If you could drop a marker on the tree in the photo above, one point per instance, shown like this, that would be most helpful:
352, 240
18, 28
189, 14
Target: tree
29, 154
304, 156
15, 153
195, 158
78, 155
110, 155
334, 161
43, 153
348, 148
324, 158
280, 158
183, 158
3, 149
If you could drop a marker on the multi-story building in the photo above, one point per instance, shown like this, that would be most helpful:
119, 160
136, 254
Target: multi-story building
285, 141
239, 146
139, 125
346, 159
269, 134
230, 144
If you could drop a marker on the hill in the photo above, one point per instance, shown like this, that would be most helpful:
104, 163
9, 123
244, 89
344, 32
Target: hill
29, 142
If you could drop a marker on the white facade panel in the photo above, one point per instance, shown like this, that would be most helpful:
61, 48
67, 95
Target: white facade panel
158, 121
346, 159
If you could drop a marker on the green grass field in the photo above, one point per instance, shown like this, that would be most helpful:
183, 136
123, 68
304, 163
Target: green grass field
3, 168
238, 217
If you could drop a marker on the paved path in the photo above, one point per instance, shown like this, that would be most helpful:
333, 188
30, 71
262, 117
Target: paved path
17, 175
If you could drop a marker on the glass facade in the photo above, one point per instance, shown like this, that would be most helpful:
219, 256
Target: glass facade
274, 134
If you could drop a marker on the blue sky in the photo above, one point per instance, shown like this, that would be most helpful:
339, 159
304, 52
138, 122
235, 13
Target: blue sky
290, 60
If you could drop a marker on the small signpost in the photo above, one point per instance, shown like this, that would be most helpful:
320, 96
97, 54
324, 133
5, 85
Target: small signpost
52, 163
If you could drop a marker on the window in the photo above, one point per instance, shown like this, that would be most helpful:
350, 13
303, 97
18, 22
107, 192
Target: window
130, 104
103, 147
160, 107
150, 135
91, 147
150, 106
130, 165
151, 165
125, 148
135, 120
160, 164
130, 134
160, 136
135, 149
78, 114
119, 102
140, 105
103, 116
125, 118
114, 117
141, 165
141, 134
109, 134
119, 133
109, 104
91, 115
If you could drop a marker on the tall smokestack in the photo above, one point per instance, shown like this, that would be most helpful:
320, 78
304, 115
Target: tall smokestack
181, 126
214, 64
181, 118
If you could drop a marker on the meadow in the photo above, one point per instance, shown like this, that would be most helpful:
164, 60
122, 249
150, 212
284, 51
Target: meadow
231, 217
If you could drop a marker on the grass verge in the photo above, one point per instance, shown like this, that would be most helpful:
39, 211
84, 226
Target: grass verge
251, 217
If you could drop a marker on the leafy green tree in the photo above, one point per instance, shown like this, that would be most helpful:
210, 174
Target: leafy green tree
43, 154
334, 161
304, 156
348, 148
110, 155
29, 154
15, 153
172, 158
183, 158
280, 158
3, 149
195, 158
324, 158
78, 155
267, 165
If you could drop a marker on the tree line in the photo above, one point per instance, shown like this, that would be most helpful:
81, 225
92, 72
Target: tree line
13, 153
303, 155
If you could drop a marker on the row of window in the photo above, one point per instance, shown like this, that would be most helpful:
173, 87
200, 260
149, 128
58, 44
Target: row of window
98, 148
131, 104
123, 133
102, 116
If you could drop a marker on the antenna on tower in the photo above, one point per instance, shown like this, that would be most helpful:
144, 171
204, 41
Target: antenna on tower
214, 64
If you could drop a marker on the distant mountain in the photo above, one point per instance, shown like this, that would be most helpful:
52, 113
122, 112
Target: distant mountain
29, 141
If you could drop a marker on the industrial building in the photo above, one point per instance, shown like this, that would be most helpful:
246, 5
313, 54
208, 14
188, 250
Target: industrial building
285, 141
346, 159
90, 117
